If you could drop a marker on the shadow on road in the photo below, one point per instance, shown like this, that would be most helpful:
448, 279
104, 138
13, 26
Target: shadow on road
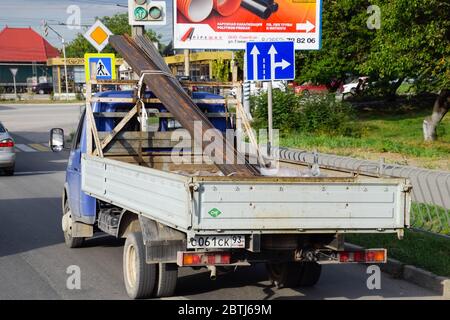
337, 282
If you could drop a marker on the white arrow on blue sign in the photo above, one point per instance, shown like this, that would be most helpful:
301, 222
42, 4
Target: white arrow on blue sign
270, 61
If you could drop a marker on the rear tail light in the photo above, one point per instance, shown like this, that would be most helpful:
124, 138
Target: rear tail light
364, 256
203, 258
6, 143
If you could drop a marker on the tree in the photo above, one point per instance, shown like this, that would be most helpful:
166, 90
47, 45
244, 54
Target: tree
414, 42
346, 42
118, 24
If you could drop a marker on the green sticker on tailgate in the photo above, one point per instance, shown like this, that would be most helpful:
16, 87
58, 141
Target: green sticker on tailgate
214, 212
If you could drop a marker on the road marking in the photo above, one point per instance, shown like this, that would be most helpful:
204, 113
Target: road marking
25, 148
39, 147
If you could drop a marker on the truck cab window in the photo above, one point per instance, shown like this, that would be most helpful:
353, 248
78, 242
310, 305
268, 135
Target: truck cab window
77, 138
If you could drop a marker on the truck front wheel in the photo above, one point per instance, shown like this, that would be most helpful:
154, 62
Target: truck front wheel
294, 274
139, 277
67, 219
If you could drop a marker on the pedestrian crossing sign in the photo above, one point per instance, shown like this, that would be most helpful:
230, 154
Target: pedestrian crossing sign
100, 66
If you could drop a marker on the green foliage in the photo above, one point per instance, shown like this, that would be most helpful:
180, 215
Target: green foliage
393, 132
412, 42
317, 114
221, 70
417, 248
346, 41
118, 24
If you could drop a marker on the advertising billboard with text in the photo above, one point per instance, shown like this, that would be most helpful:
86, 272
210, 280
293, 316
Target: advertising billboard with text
230, 24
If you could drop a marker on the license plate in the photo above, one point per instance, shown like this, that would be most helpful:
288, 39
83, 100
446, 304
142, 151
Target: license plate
232, 241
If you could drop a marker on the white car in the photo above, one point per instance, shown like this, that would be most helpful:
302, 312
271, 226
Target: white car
352, 86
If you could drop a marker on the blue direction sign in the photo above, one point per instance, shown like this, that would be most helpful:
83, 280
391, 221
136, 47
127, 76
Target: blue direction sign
270, 61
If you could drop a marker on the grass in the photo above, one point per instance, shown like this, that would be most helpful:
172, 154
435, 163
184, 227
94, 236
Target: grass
395, 134
420, 249
430, 217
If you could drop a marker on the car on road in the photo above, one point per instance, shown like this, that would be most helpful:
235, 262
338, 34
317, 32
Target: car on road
7, 152
43, 88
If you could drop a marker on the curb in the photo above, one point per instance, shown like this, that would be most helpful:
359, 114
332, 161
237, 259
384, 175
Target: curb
418, 276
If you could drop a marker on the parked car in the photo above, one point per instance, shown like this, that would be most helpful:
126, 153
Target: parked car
43, 88
7, 152
355, 85
308, 88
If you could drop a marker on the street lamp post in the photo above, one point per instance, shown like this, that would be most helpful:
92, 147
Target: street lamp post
64, 56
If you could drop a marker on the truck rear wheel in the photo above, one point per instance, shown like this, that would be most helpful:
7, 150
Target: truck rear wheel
167, 279
71, 242
139, 277
294, 274
309, 274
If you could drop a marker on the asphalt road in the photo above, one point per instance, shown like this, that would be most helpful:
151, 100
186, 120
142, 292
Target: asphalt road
34, 259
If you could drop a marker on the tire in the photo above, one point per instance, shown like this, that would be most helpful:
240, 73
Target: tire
9, 171
294, 274
166, 283
71, 242
139, 277
284, 274
41, 91
309, 274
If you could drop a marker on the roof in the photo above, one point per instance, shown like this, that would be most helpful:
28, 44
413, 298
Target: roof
24, 45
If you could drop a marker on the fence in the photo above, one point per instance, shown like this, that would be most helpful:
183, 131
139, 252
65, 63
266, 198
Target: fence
431, 188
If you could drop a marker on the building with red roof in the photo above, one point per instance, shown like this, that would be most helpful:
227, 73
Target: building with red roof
26, 50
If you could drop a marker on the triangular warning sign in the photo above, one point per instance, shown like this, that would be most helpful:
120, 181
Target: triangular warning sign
102, 71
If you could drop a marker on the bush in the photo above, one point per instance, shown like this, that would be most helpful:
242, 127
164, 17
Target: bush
316, 114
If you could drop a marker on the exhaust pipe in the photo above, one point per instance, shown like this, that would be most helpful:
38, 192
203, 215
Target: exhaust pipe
213, 275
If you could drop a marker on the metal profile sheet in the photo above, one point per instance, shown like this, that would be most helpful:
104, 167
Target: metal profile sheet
159, 195
362, 204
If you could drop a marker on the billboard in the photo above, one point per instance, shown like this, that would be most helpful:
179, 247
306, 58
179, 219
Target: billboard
230, 24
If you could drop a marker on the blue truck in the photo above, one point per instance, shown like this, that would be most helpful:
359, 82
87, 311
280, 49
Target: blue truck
177, 214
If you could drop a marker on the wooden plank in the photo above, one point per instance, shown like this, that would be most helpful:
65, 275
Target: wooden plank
158, 114
118, 127
155, 100
158, 135
178, 102
94, 130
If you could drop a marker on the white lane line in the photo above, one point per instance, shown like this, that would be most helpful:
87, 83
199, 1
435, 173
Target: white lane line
25, 148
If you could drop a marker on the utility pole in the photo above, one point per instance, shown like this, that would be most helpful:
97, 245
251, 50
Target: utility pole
269, 120
187, 68
64, 56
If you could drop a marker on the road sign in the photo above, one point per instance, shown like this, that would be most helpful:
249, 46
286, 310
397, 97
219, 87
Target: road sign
270, 61
13, 71
98, 35
147, 12
230, 24
105, 65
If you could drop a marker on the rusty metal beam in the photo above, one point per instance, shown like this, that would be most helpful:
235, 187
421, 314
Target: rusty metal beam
143, 59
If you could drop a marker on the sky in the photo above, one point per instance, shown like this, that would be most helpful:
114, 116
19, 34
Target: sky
30, 13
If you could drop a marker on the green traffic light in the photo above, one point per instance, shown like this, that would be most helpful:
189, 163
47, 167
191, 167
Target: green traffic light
140, 13
155, 12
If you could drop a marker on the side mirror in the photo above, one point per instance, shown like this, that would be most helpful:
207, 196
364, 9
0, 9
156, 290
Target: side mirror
56, 142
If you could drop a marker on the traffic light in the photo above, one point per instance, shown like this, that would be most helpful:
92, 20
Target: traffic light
146, 12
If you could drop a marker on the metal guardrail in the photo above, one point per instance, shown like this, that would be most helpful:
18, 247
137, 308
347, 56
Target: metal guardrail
431, 188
